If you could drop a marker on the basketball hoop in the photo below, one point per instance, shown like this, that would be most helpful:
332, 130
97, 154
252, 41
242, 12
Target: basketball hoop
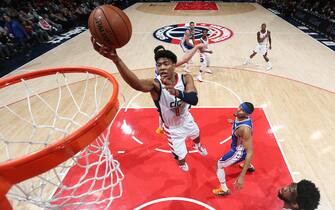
69, 128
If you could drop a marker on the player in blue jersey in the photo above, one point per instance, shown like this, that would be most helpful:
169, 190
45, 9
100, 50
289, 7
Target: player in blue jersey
187, 43
241, 149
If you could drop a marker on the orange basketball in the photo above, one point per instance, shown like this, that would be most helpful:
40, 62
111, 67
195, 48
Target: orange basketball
109, 26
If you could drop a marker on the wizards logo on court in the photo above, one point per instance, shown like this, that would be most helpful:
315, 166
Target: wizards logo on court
174, 33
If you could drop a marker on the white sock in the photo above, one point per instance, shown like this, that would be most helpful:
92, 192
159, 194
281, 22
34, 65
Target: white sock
269, 64
222, 178
197, 144
247, 60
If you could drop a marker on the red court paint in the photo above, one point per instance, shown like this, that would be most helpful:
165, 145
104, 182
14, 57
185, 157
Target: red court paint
151, 175
198, 5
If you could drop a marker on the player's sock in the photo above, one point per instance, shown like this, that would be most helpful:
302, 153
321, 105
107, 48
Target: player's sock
247, 61
269, 66
221, 176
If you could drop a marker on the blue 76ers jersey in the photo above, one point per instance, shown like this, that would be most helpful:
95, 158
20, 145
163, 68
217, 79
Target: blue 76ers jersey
237, 143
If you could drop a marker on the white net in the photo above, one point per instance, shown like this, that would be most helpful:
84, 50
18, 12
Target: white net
38, 112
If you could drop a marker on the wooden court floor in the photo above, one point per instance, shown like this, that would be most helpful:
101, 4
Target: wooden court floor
298, 94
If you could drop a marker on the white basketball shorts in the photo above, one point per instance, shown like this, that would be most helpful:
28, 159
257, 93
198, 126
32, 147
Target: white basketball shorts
177, 136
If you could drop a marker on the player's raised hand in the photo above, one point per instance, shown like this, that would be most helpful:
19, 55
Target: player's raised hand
104, 51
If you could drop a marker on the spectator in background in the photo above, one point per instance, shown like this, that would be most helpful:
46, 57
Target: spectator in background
37, 35
18, 32
44, 25
4, 50
59, 27
7, 43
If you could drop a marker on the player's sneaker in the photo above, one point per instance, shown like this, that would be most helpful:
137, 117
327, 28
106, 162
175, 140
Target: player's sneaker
208, 71
199, 78
269, 67
220, 192
202, 150
250, 169
184, 167
159, 130
247, 61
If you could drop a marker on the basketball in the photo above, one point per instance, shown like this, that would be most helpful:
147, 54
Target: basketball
109, 26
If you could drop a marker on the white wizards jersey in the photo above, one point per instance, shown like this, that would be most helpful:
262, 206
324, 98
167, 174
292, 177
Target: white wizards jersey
262, 35
205, 42
173, 110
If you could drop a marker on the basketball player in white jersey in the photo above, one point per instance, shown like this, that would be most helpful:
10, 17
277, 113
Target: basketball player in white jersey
241, 149
263, 39
204, 56
187, 42
172, 93
185, 58
301, 195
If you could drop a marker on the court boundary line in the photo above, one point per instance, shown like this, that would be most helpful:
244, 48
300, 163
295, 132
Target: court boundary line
174, 199
280, 147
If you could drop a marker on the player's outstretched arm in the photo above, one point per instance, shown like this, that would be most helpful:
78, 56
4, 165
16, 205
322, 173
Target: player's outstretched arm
144, 85
187, 56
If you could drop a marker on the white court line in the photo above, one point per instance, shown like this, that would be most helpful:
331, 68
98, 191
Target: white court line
131, 101
174, 199
280, 147
168, 151
136, 139
230, 90
162, 150
224, 141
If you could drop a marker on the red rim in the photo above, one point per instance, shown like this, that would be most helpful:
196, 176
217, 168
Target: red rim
25, 167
